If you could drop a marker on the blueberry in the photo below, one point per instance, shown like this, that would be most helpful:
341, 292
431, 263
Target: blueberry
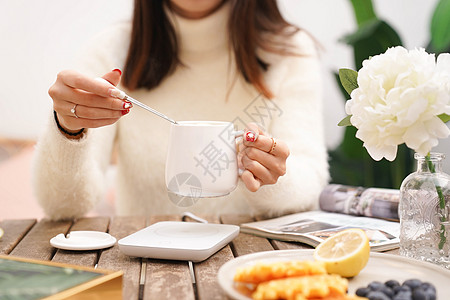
428, 286
411, 289
387, 291
430, 294
403, 295
419, 294
362, 291
375, 285
413, 283
401, 288
377, 295
392, 283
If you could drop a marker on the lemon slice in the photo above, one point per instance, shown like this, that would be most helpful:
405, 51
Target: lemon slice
345, 253
1, 233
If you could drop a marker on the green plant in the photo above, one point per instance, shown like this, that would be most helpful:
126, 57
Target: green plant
350, 163
440, 28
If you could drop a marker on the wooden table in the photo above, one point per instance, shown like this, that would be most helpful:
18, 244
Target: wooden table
143, 278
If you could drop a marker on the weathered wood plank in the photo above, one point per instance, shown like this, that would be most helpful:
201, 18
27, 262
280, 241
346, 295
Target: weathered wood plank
393, 251
246, 243
167, 279
114, 259
14, 231
83, 258
206, 271
206, 275
36, 244
280, 245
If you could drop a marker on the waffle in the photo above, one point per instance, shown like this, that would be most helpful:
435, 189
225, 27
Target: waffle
261, 272
291, 280
302, 287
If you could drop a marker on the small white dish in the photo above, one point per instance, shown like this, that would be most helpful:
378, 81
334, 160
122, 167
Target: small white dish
83, 240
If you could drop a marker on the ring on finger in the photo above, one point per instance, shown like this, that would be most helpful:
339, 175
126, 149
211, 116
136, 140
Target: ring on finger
272, 148
73, 110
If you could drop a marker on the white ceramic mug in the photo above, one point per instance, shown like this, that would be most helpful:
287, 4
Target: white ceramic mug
201, 159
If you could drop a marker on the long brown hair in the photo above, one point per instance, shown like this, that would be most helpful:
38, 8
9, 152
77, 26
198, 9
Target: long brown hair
153, 52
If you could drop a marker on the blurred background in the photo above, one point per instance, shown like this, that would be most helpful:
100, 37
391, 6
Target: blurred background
40, 38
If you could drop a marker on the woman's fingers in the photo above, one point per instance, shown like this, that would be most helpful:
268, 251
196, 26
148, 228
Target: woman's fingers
78, 123
273, 164
269, 145
262, 158
253, 184
113, 77
64, 108
84, 102
67, 94
80, 81
259, 171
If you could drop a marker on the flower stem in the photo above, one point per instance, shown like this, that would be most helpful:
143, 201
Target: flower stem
441, 202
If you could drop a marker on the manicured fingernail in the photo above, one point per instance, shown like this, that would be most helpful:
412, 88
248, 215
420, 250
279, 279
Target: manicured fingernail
118, 70
116, 93
124, 112
127, 105
250, 136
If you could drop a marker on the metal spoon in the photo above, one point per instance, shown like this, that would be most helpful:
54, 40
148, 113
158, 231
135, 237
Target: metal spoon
121, 95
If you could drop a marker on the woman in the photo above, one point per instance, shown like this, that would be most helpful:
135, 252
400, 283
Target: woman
224, 60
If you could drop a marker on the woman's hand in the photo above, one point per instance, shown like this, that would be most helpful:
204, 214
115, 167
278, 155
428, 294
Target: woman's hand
262, 158
84, 102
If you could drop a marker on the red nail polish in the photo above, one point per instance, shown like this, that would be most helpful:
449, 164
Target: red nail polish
118, 70
250, 136
124, 112
127, 105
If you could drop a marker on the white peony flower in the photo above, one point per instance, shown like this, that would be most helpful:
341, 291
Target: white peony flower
399, 97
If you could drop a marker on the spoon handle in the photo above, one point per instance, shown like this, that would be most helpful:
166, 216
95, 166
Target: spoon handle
121, 95
138, 103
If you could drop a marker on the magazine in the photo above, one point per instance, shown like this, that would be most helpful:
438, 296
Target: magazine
314, 227
360, 201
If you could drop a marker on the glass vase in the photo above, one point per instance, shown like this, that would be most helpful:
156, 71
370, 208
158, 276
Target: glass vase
424, 212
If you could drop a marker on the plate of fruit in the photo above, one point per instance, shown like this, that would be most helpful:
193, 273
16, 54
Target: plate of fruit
342, 267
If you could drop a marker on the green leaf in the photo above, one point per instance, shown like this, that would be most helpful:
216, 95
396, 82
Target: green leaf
352, 146
341, 88
444, 117
345, 121
365, 31
363, 10
349, 79
440, 26
372, 38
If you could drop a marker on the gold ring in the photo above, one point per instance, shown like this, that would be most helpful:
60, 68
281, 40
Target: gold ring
74, 111
272, 148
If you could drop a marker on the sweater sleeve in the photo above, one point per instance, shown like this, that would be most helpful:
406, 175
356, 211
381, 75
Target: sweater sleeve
69, 176
300, 124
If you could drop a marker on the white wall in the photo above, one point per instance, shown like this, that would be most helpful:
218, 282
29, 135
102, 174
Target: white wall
39, 38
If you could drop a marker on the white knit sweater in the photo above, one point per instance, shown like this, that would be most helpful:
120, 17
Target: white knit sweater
69, 176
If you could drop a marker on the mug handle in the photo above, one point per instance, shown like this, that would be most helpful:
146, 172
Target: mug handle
237, 133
